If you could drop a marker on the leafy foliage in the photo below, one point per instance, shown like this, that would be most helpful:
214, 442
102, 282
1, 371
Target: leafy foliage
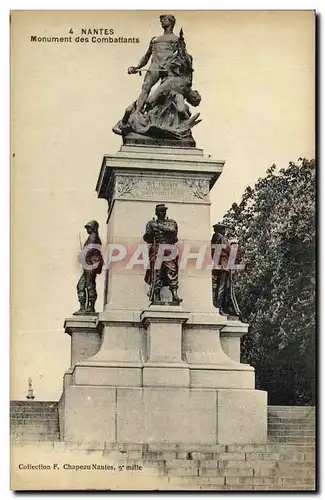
275, 227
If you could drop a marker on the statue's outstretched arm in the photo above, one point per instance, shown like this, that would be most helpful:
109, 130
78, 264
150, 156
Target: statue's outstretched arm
146, 57
143, 62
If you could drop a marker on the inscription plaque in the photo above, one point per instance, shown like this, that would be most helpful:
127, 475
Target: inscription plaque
147, 188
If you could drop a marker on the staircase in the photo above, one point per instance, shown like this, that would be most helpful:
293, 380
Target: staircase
34, 420
286, 462
291, 424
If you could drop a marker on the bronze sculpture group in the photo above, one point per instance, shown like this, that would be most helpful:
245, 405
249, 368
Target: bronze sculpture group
161, 234
163, 113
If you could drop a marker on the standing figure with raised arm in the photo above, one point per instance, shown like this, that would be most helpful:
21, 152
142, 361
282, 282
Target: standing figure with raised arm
161, 50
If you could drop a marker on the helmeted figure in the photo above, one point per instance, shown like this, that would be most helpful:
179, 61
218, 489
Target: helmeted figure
92, 263
223, 294
161, 231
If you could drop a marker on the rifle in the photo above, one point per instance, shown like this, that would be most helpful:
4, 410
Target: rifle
154, 274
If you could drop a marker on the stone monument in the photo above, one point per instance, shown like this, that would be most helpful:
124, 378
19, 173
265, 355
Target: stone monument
30, 393
157, 368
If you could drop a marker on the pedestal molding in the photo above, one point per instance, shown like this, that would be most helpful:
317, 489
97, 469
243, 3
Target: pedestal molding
81, 323
163, 316
235, 367
141, 165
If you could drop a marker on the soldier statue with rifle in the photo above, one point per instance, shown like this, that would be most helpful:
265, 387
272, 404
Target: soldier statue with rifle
223, 293
92, 263
162, 231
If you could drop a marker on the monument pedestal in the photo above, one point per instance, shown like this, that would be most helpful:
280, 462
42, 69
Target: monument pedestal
159, 373
166, 378
165, 365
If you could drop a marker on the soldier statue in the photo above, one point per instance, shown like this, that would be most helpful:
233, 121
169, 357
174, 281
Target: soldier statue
92, 263
162, 231
222, 287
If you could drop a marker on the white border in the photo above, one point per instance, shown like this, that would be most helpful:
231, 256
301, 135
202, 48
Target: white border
4, 171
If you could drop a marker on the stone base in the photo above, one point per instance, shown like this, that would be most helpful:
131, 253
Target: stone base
170, 375
160, 375
144, 140
163, 415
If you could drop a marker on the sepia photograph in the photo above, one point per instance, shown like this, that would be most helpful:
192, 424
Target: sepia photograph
163, 241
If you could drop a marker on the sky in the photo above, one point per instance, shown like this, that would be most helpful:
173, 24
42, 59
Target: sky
255, 72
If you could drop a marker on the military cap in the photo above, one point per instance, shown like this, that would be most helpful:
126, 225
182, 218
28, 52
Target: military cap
216, 227
161, 206
93, 224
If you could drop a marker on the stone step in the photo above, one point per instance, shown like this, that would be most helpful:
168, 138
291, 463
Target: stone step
292, 439
33, 407
291, 421
290, 425
291, 432
233, 467
274, 482
34, 414
256, 464
194, 450
291, 408
286, 462
298, 424
299, 421
34, 428
34, 423
281, 456
301, 433
291, 414
35, 433
292, 428
271, 447
233, 481
35, 437
31, 416
159, 447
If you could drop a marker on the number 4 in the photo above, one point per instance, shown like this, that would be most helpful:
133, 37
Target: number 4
71, 31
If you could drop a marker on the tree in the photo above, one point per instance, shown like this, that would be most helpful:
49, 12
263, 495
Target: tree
275, 227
